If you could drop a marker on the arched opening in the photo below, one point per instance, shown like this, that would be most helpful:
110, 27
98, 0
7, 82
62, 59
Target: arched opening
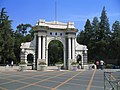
55, 52
79, 59
30, 58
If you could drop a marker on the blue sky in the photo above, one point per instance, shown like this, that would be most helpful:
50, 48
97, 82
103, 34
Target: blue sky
78, 11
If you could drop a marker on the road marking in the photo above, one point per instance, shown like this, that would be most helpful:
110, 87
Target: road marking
90, 82
41, 81
1, 88
66, 81
113, 77
22, 77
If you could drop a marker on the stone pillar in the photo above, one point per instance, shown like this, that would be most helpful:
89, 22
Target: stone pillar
26, 58
69, 53
47, 56
69, 48
65, 56
73, 48
85, 57
43, 48
39, 47
34, 58
33, 67
82, 61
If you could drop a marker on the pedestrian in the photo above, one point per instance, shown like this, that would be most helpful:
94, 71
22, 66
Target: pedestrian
7, 64
12, 63
97, 64
79, 66
101, 64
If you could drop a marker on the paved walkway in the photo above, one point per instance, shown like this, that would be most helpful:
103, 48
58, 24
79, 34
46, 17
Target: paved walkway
51, 80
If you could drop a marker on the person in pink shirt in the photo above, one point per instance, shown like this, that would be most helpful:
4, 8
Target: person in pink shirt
97, 64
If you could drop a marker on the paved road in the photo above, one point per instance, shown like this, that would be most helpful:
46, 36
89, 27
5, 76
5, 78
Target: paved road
52, 80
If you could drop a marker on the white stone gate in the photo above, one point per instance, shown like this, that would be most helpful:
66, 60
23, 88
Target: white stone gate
44, 33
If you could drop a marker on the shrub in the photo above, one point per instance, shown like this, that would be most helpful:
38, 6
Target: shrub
59, 63
74, 63
42, 63
22, 62
110, 66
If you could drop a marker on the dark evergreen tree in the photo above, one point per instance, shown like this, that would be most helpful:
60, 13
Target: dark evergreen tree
103, 37
88, 32
115, 42
95, 28
86, 37
104, 31
97, 37
21, 35
6, 38
94, 39
80, 37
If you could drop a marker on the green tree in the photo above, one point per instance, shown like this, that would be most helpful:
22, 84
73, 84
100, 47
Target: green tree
6, 37
97, 37
95, 28
86, 37
21, 35
115, 42
55, 52
88, 32
23, 29
104, 36
94, 38
104, 31
80, 37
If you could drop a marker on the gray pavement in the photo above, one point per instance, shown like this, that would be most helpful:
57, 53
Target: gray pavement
12, 79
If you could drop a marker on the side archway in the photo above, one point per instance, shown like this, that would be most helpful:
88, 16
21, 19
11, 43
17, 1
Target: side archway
30, 58
79, 58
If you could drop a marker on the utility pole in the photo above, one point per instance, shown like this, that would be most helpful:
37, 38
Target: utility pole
56, 10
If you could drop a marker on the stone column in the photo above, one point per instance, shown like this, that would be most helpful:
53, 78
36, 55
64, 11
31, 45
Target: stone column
82, 61
39, 47
69, 48
65, 56
47, 56
73, 48
26, 57
43, 48
85, 57
69, 53
33, 64
34, 58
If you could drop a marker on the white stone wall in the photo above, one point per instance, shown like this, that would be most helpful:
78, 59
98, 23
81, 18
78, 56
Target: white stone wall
27, 49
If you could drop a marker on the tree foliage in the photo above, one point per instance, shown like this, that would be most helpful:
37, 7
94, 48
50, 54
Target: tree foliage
102, 42
55, 52
115, 42
22, 29
6, 37
10, 40
21, 35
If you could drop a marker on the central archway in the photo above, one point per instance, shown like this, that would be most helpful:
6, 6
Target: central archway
55, 52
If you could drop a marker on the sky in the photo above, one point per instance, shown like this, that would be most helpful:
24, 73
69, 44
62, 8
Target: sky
77, 11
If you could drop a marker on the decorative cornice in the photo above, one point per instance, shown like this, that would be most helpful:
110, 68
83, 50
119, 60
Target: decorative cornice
55, 25
46, 28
